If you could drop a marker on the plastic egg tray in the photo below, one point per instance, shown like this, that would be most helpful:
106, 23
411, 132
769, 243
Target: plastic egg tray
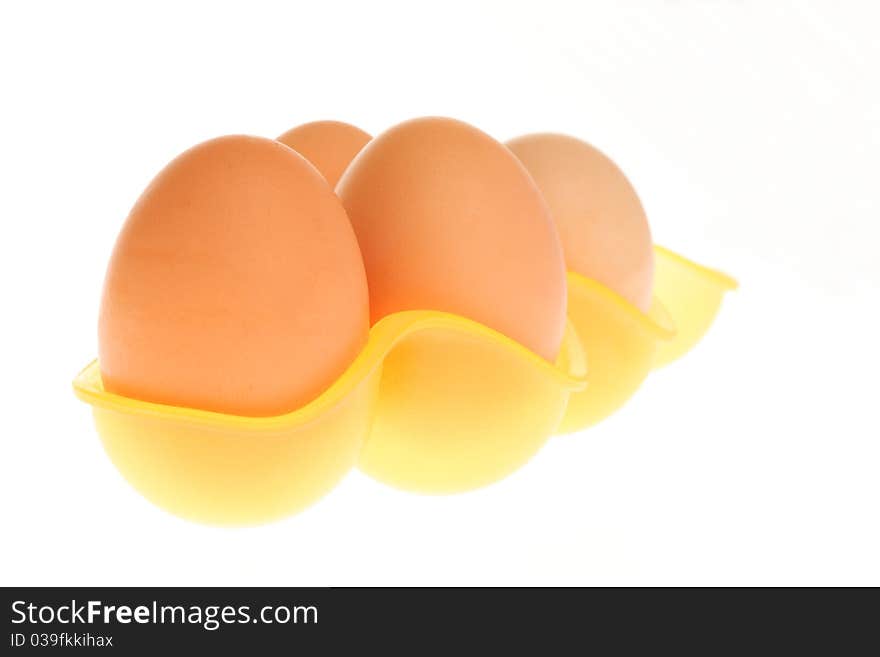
434, 403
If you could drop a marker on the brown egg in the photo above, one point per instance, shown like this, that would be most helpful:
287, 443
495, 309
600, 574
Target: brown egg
236, 284
601, 221
449, 220
329, 145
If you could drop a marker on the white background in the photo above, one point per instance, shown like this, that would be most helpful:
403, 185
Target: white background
750, 129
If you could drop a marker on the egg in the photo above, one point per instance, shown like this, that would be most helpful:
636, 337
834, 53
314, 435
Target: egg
601, 221
236, 284
448, 219
329, 145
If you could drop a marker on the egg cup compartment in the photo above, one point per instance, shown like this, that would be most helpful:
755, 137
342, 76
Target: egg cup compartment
619, 341
223, 469
461, 406
691, 295
623, 345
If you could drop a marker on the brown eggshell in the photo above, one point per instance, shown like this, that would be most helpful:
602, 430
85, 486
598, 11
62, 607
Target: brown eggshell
601, 221
236, 284
449, 220
329, 145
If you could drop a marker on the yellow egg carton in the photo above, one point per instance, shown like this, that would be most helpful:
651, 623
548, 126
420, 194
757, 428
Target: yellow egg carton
623, 344
434, 403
